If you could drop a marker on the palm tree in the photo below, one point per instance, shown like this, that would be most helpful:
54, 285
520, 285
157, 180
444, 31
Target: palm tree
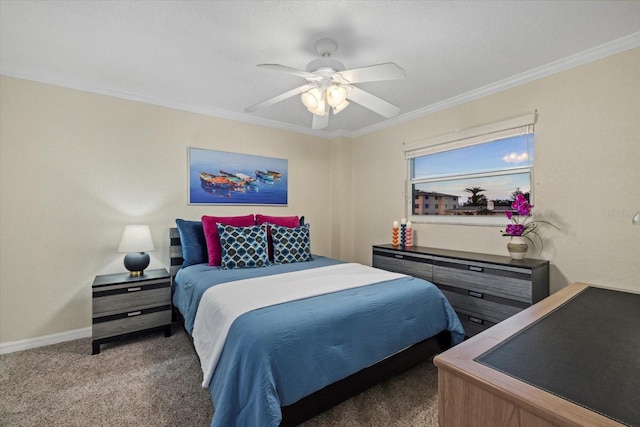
476, 197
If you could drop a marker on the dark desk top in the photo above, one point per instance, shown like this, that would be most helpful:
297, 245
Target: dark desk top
586, 351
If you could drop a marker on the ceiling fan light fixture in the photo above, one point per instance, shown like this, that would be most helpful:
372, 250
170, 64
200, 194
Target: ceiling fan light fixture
320, 109
336, 95
329, 85
312, 98
340, 107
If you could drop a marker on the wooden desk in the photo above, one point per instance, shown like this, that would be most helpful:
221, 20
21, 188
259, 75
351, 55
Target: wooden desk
472, 394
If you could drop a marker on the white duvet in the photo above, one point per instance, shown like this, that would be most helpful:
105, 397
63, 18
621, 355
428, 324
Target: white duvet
222, 304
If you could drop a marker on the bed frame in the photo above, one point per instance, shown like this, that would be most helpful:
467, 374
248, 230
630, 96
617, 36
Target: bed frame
333, 394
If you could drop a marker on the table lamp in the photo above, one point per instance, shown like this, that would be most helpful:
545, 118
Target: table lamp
136, 242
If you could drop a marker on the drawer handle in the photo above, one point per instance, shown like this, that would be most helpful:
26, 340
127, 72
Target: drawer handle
398, 256
134, 289
476, 320
474, 268
476, 294
134, 313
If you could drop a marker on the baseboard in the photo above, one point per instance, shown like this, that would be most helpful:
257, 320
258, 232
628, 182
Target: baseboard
10, 347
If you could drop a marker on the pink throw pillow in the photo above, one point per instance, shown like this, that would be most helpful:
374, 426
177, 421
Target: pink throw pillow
214, 250
282, 221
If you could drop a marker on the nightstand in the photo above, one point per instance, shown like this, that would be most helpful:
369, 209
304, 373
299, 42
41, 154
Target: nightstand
124, 305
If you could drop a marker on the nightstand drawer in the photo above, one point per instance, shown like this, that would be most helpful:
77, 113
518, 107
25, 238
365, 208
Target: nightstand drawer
124, 305
119, 298
500, 281
137, 320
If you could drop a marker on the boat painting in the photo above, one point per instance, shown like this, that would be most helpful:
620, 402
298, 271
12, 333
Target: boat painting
249, 180
221, 181
215, 181
240, 178
264, 175
220, 177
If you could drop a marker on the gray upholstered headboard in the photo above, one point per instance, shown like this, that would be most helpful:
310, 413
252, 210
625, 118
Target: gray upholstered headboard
175, 252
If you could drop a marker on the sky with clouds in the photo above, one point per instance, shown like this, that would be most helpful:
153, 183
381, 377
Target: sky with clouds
504, 154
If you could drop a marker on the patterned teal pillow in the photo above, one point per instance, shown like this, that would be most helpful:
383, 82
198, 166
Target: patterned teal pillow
243, 247
290, 244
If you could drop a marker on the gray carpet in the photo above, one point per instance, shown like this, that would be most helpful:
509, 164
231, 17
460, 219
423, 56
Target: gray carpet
155, 381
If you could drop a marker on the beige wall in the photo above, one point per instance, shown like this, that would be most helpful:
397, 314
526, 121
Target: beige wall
587, 173
77, 167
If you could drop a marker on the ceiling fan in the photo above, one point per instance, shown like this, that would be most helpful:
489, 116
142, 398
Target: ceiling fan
329, 86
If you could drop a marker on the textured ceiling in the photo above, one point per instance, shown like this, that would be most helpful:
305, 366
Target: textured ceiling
201, 55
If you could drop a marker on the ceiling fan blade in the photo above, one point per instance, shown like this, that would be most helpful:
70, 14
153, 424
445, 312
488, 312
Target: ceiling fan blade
373, 73
289, 70
372, 102
281, 97
320, 122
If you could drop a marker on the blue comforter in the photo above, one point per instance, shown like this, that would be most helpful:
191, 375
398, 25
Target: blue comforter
276, 355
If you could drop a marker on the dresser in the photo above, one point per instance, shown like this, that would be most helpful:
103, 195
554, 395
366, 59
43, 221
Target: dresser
124, 305
483, 289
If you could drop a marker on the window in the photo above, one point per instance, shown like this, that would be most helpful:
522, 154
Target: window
473, 176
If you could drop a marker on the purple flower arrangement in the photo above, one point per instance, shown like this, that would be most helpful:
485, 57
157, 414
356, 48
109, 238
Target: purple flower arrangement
522, 224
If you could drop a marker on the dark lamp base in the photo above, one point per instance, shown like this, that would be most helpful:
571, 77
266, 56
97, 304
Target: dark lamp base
136, 263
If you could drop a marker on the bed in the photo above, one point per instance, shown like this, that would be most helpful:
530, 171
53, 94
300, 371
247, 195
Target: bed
287, 361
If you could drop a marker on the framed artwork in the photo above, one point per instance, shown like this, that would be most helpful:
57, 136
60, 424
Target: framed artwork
224, 178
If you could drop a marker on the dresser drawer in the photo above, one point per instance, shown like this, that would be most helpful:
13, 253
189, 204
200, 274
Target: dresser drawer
481, 308
501, 281
134, 321
115, 299
473, 325
412, 265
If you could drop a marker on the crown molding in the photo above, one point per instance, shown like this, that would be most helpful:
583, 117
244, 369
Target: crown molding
57, 80
620, 45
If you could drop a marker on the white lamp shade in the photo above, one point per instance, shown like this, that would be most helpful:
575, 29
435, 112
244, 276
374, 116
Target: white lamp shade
136, 238
311, 98
336, 95
320, 110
